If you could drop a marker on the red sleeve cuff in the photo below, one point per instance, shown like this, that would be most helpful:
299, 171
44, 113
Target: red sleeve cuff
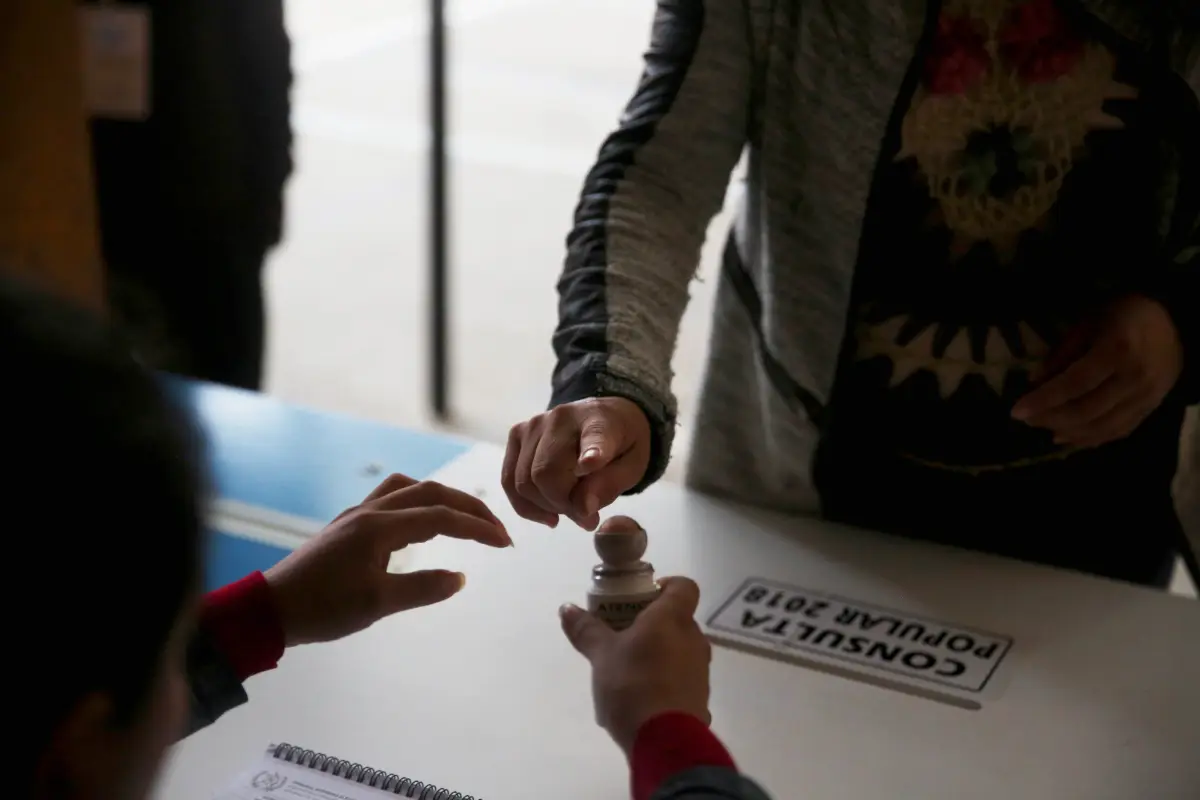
244, 624
671, 743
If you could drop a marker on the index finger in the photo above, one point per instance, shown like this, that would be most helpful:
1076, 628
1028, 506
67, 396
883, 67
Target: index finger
1074, 382
554, 462
391, 483
432, 493
395, 530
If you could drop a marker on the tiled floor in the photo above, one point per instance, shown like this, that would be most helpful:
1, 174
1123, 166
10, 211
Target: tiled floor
536, 86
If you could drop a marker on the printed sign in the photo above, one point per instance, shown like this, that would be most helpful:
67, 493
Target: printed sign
859, 636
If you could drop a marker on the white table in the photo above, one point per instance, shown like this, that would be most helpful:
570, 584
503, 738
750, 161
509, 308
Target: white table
482, 693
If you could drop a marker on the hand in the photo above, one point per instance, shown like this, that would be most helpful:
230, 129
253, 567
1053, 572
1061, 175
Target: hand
658, 664
1107, 376
576, 459
337, 583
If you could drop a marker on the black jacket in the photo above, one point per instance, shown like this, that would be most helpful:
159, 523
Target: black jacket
214, 156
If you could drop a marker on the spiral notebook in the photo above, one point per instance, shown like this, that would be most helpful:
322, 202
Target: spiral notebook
287, 772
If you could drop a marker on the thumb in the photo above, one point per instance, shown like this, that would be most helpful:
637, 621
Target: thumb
416, 589
585, 633
599, 443
601, 489
682, 595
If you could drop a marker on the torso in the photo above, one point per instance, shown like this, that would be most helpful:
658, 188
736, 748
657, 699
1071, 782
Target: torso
1015, 205
828, 80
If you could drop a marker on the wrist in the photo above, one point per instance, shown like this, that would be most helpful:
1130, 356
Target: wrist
626, 729
670, 743
628, 732
1174, 289
244, 624
275, 581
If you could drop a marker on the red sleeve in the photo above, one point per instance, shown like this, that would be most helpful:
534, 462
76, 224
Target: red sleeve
244, 624
671, 743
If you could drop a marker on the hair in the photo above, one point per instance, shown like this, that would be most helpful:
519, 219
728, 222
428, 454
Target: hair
102, 504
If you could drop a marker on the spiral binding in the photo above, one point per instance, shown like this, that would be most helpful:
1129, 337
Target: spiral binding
376, 779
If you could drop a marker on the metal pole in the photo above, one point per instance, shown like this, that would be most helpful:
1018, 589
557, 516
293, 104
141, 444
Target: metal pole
438, 216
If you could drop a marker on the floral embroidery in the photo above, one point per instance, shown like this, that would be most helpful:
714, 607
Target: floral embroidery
958, 57
1038, 43
998, 161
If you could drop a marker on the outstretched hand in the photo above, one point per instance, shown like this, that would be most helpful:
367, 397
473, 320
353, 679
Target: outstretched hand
338, 583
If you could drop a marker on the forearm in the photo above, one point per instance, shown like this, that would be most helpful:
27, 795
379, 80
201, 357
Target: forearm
48, 229
645, 208
1180, 294
213, 683
676, 757
709, 783
1176, 285
239, 635
1180, 285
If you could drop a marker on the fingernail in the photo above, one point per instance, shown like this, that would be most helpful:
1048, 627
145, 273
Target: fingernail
462, 581
590, 453
591, 505
567, 608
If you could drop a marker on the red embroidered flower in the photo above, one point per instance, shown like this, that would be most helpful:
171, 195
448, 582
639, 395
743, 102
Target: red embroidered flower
958, 57
1037, 41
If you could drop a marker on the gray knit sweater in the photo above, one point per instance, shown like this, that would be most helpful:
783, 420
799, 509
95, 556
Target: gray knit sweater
807, 89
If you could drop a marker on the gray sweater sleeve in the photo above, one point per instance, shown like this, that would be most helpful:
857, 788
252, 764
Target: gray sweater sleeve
710, 783
215, 687
658, 181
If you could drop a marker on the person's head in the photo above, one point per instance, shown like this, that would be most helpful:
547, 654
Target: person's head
102, 507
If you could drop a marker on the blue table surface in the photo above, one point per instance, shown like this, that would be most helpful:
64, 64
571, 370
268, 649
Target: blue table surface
296, 461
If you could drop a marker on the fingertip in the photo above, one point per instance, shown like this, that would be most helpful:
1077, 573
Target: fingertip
488, 534
458, 582
590, 460
534, 513
570, 619
684, 589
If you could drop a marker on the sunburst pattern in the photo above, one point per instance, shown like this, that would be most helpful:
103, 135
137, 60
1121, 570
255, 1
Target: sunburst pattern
968, 282
952, 362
